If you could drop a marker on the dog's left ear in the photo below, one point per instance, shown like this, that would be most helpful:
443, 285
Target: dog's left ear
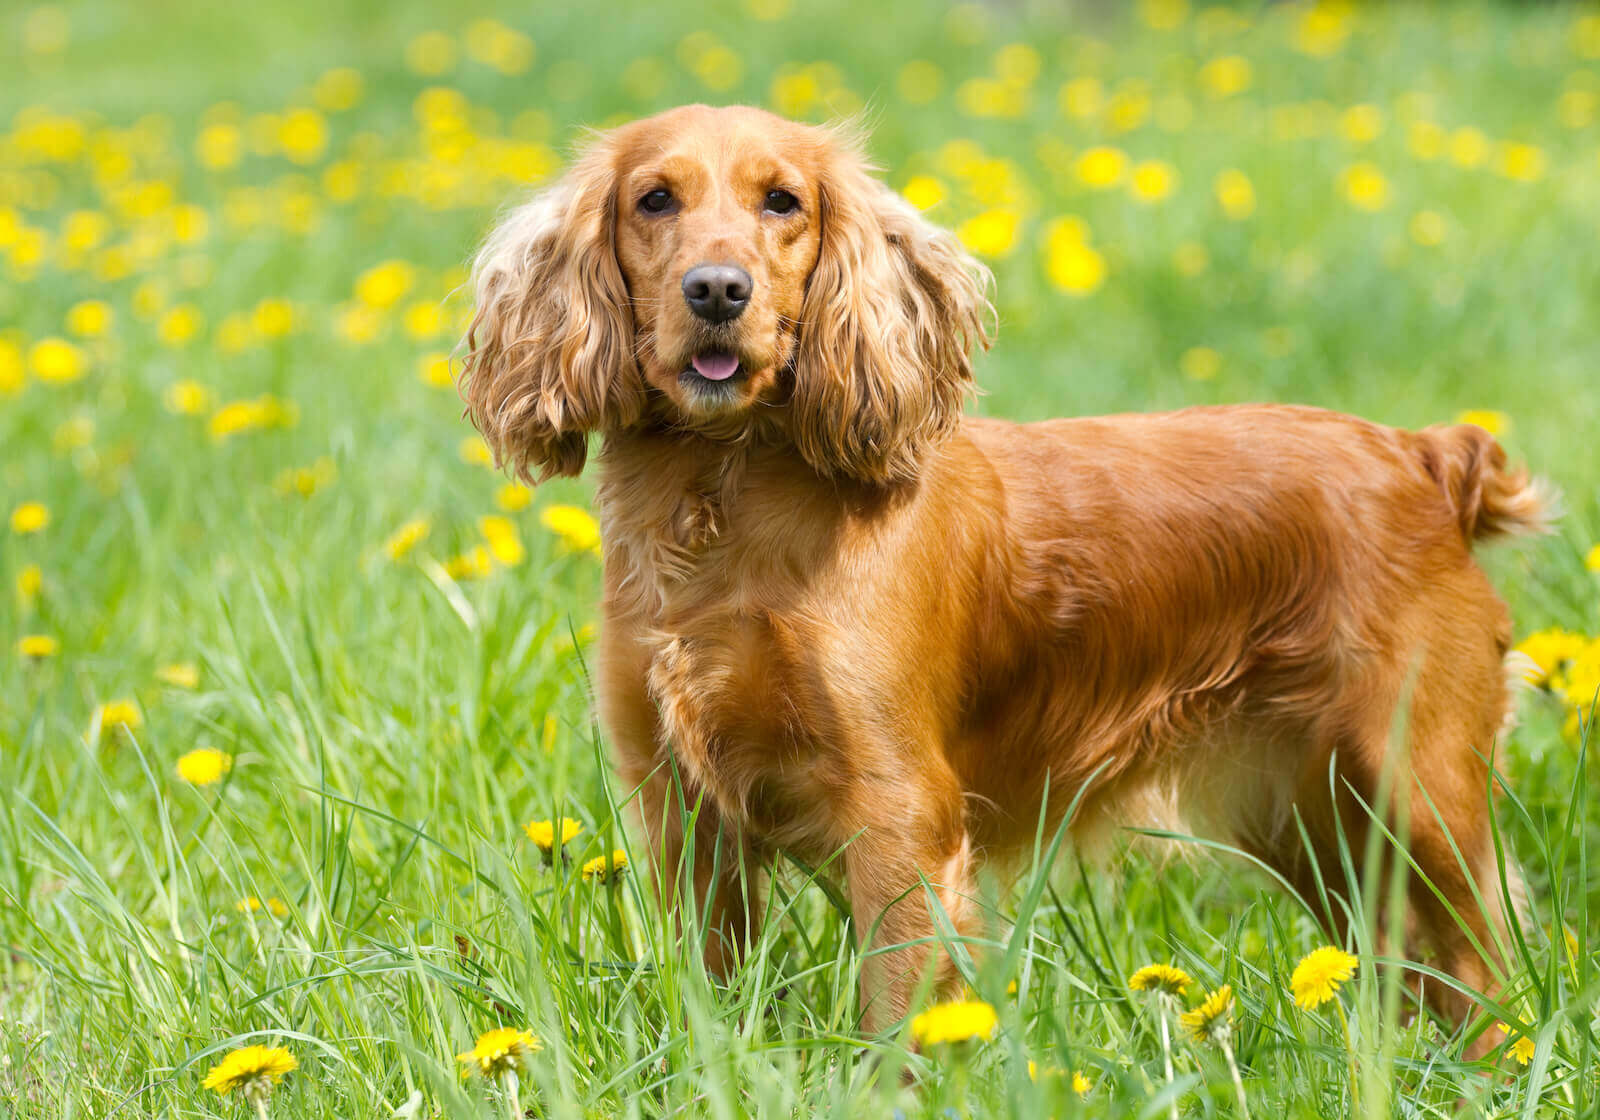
891, 313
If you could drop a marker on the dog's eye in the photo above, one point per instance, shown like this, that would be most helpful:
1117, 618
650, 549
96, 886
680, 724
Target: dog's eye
781, 202
658, 201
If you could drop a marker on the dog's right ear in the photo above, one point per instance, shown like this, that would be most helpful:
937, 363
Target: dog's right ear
550, 349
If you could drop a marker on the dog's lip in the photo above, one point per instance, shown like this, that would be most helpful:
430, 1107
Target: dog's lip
715, 365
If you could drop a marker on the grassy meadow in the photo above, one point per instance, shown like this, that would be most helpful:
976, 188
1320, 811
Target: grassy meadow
287, 669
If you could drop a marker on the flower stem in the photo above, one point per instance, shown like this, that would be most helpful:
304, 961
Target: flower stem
513, 1104
1349, 1054
1233, 1069
260, 1101
1166, 1052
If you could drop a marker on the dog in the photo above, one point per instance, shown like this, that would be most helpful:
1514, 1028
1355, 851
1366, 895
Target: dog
842, 619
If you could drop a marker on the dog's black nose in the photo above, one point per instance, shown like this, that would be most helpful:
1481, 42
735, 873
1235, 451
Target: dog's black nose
717, 292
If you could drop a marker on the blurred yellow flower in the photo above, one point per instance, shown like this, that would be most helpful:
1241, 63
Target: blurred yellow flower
304, 482
474, 452
250, 904
1213, 1018
424, 320
1318, 976
475, 563
605, 869
501, 1051
186, 398
1162, 978
1364, 187
30, 517
1495, 423
1101, 167
119, 713
46, 29
1425, 140
265, 411
1163, 15
1235, 194
219, 146
1592, 561
494, 44
254, 1069
56, 361
37, 646
403, 540
1586, 36
513, 497
993, 233
1223, 77
1323, 28
1200, 363
505, 543
1469, 148
338, 90
1361, 124
1577, 107
358, 323
30, 580
1082, 98
180, 324
434, 370
956, 1021
431, 54
1551, 650
1524, 163
73, 433
204, 767
89, 318
273, 318
13, 370
383, 285
1153, 180
302, 135
181, 674
576, 527
543, 833
923, 191
1071, 263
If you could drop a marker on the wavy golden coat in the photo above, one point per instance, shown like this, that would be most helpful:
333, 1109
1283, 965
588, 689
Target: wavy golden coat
843, 616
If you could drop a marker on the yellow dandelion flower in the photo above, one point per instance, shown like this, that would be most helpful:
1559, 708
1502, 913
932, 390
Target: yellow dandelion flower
576, 527
1235, 193
543, 833
37, 647
338, 90
434, 370
404, 539
1162, 978
90, 318
1073, 266
204, 767
1318, 976
1153, 180
500, 1051
180, 324
13, 367
957, 1021
250, 904
1080, 1084
186, 398
181, 674
1101, 167
923, 191
1592, 561
1226, 76
1361, 124
55, 361
1469, 148
992, 233
1213, 1018
475, 563
273, 318
1495, 423
119, 713
424, 319
1364, 187
513, 497
606, 869
29, 518
219, 146
505, 544
1523, 163
474, 452
254, 1069
383, 285
1522, 1049
1163, 15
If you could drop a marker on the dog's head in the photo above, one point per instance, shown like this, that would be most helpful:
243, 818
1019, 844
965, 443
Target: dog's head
705, 267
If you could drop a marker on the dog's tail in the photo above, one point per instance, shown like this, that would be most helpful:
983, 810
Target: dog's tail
1489, 500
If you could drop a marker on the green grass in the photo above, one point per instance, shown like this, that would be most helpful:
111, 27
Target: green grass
392, 728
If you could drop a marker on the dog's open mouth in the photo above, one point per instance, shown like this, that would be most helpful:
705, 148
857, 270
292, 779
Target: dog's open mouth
715, 365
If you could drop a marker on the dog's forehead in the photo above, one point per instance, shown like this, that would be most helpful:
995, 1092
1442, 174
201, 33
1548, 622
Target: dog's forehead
724, 139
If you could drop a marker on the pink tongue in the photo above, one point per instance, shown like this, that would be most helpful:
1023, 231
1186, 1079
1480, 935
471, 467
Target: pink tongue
717, 366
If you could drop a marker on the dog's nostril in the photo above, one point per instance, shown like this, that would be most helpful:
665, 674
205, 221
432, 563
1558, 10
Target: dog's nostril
717, 292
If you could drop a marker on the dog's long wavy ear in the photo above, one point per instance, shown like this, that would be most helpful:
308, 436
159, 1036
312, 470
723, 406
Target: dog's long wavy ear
550, 349
891, 313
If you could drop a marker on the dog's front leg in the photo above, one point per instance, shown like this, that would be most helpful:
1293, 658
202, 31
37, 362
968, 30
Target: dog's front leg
913, 845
